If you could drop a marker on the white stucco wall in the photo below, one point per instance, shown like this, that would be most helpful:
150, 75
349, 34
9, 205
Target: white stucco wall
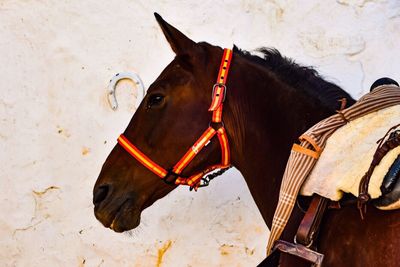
56, 128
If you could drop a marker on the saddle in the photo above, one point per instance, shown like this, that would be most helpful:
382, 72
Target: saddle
390, 188
309, 227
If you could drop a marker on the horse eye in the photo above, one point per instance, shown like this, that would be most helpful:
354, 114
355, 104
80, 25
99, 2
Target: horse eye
154, 100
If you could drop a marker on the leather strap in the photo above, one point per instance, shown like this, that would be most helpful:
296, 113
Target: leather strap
309, 226
383, 148
309, 152
194, 150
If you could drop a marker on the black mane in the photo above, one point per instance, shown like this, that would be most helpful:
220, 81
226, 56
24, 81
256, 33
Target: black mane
299, 77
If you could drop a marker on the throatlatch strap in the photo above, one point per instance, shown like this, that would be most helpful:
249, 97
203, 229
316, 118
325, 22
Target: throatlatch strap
194, 150
194, 180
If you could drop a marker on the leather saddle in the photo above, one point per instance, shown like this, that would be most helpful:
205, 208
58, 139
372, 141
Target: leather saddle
390, 187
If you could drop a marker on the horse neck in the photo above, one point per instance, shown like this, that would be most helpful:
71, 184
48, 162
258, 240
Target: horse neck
264, 116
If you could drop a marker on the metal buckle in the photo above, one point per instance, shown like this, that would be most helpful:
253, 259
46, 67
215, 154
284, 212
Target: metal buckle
170, 173
219, 85
307, 246
169, 182
216, 125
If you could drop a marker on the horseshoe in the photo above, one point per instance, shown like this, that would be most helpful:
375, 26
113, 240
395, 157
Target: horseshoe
121, 76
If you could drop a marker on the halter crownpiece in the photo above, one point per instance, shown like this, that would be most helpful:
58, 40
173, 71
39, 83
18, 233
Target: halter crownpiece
218, 97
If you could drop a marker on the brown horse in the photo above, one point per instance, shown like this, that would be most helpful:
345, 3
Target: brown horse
270, 101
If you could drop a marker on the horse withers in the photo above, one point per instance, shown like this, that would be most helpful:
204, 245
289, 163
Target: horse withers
269, 102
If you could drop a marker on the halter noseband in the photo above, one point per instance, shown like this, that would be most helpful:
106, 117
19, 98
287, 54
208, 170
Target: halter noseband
218, 97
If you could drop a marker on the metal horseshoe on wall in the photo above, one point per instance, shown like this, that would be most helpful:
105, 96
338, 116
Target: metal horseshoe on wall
121, 76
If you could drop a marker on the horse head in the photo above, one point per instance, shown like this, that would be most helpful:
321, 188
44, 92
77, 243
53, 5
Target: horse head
170, 118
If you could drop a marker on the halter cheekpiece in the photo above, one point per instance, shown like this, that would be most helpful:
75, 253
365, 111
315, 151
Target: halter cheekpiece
194, 181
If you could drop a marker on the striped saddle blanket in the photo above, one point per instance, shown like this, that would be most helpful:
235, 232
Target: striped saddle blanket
344, 160
348, 154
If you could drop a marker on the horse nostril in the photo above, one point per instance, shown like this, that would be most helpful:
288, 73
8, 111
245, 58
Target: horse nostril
100, 193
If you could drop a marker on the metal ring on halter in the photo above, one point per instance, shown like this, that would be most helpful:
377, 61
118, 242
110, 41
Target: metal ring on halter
219, 85
221, 123
175, 175
168, 175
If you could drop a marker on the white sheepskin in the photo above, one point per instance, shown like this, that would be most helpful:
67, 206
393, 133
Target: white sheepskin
348, 155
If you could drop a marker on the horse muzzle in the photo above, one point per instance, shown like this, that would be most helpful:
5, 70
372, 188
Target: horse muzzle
119, 213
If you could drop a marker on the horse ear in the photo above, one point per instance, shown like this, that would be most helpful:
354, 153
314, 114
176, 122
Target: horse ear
177, 40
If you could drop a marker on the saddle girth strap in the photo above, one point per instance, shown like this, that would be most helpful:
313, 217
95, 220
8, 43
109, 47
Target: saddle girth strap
309, 226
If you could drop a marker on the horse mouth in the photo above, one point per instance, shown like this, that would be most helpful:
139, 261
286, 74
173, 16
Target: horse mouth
124, 214
126, 217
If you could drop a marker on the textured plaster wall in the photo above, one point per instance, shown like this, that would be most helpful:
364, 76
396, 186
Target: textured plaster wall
56, 127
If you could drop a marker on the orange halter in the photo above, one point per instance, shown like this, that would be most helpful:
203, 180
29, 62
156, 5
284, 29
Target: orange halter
218, 97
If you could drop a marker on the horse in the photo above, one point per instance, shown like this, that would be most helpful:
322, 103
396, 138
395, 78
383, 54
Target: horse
270, 101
